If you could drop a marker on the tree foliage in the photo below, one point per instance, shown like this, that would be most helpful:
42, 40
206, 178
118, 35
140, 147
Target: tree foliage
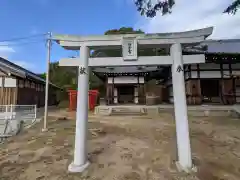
232, 8
148, 8
123, 30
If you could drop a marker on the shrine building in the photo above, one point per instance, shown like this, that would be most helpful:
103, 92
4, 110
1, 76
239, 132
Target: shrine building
214, 82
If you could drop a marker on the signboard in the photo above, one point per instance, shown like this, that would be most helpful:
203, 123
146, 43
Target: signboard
129, 48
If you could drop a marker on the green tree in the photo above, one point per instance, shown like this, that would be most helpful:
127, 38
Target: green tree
123, 30
43, 75
146, 7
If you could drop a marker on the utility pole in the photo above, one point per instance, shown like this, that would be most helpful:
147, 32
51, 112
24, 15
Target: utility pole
47, 81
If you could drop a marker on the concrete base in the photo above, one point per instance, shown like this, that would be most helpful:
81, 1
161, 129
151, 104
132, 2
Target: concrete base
77, 169
200, 110
44, 130
186, 170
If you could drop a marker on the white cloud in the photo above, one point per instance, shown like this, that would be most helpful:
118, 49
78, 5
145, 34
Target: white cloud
189, 15
6, 51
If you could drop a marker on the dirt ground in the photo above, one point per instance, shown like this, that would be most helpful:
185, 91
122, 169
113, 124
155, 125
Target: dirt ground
124, 148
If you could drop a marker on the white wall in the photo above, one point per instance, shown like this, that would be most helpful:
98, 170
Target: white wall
125, 80
206, 74
115, 99
10, 82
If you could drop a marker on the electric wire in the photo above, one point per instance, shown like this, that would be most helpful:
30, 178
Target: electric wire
23, 43
22, 38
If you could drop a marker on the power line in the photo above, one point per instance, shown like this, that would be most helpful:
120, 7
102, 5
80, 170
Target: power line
23, 43
23, 38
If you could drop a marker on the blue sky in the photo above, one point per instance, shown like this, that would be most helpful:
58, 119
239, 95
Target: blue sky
22, 18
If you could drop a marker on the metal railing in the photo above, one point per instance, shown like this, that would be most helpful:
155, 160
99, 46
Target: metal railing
14, 117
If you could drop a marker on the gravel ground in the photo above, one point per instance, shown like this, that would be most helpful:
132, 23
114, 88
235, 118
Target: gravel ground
124, 148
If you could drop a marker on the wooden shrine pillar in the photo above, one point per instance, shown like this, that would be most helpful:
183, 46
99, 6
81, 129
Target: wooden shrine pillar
228, 96
142, 94
109, 94
193, 92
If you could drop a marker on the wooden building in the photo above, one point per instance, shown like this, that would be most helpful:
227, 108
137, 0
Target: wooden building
128, 85
19, 86
216, 82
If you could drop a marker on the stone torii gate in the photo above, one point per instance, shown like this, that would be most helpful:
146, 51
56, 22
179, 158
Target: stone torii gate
130, 42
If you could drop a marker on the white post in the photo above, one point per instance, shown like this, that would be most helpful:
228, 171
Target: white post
11, 111
180, 107
80, 153
35, 112
6, 112
47, 83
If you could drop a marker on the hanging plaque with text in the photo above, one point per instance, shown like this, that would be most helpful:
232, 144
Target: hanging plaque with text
129, 48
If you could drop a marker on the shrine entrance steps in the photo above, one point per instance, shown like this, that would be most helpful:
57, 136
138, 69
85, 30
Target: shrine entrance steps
138, 110
121, 110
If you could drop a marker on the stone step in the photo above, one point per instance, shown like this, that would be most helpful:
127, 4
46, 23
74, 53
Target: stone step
235, 113
128, 111
102, 111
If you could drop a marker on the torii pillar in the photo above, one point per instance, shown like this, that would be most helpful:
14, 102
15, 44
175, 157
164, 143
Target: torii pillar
180, 108
80, 161
129, 42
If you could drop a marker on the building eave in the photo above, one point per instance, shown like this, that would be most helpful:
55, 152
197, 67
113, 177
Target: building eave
15, 70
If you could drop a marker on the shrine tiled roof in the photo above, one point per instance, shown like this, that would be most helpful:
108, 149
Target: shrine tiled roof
223, 46
227, 46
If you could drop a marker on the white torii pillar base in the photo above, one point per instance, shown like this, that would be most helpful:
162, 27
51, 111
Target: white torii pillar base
180, 108
80, 162
76, 168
